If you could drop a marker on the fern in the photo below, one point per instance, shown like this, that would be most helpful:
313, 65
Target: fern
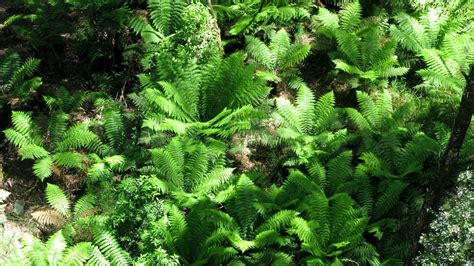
57, 199
114, 127
165, 15
16, 77
389, 197
362, 51
433, 37
78, 254
55, 246
43, 168
111, 249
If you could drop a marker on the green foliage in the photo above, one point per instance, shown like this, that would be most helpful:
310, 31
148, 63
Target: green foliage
226, 133
363, 49
255, 15
17, 80
61, 212
59, 251
438, 39
70, 146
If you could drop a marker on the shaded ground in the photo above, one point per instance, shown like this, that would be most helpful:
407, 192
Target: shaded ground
16, 176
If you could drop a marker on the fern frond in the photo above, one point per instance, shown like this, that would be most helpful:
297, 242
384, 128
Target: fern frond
245, 198
327, 19
57, 199
18, 139
178, 224
323, 109
22, 122
305, 108
339, 169
166, 14
215, 179
27, 69
83, 205
318, 208
55, 246
278, 221
32, 151
280, 44
389, 197
260, 52
57, 125
49, 217
68, 159
114, 127
78, 254
110, 247
434, 62
348, 44
43, 168
350, 16
97, 258
295, 54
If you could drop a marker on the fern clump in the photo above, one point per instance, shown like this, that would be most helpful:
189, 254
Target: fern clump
364, 52
438, 41
17, 80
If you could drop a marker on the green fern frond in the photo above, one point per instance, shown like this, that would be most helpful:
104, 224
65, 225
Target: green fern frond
348, 44
18, 139
55, 246
350, 16
57, 125
214, 180
368, 108
22, 122
43, 168
278, 221
111, 249
305, 108
68, 159
57, 199
389, 197
178, 224
324, 109
318, 209
84, 204
280, 43
32, 151
114, 127
339, 169
27, 69
260, 52
294, 55
326, 19
243, 205
434, 61
166, 15
97, 258
305, 232
410, 33
78, 254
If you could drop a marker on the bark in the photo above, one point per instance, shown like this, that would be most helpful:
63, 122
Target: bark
445, 180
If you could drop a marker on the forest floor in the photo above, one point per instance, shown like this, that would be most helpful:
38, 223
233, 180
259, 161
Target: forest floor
16, 176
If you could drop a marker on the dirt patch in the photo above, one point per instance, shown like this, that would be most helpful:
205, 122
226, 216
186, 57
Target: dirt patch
26, 190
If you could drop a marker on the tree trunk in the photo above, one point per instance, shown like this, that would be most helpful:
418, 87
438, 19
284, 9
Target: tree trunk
445, 180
